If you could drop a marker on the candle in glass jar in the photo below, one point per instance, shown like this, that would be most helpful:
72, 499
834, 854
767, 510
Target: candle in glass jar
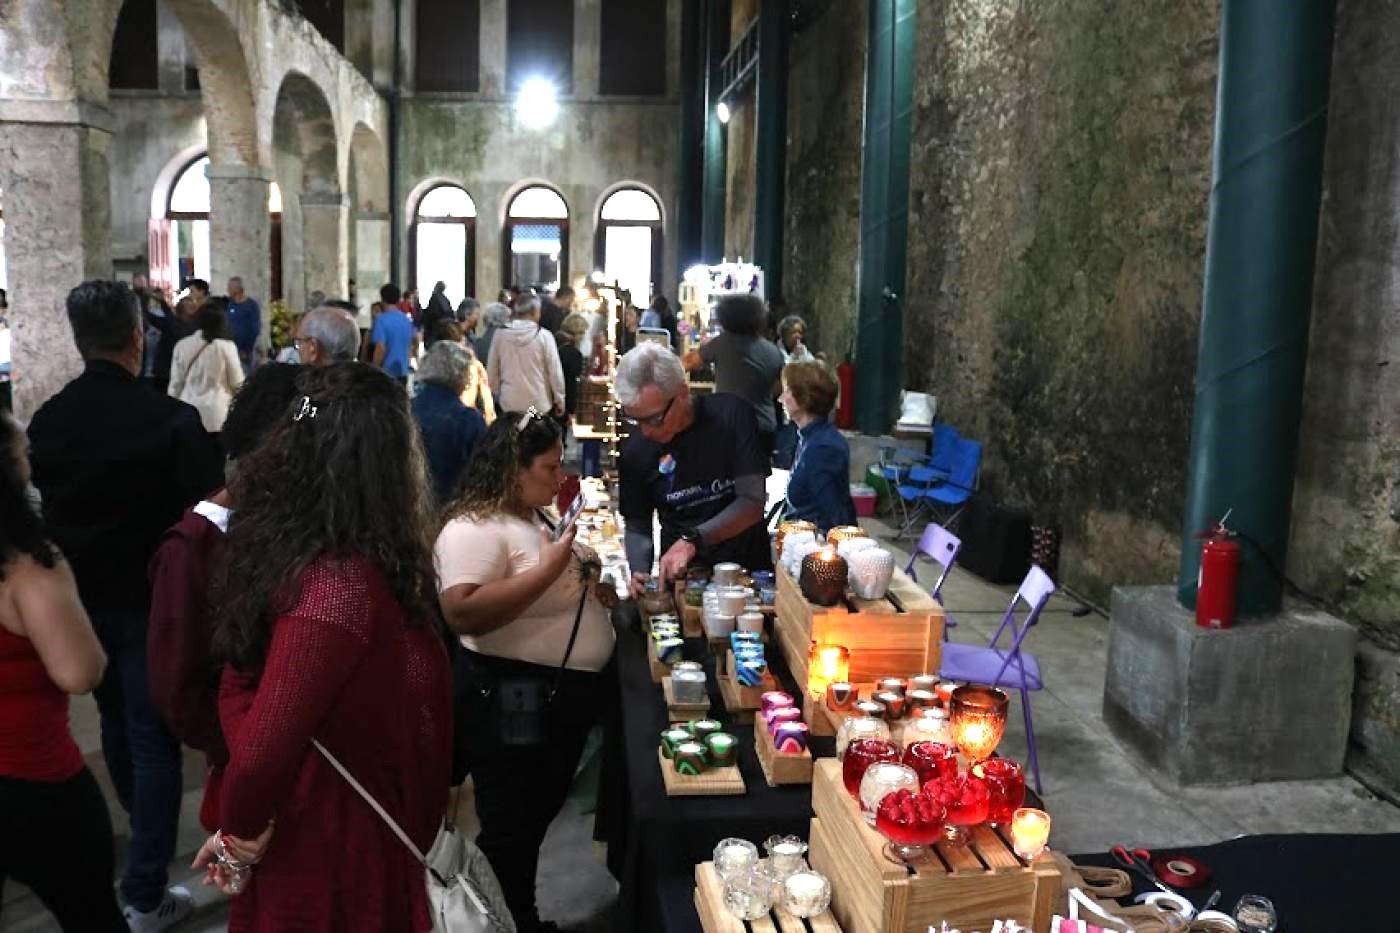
826, 664
923, 682
891, 684
1030, 831
841, 695
893, 703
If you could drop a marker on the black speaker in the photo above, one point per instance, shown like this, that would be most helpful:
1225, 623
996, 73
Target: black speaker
996, 541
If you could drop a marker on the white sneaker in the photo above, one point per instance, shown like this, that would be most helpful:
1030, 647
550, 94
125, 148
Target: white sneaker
174, 909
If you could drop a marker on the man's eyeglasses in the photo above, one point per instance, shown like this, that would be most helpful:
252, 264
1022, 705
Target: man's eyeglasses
654, 421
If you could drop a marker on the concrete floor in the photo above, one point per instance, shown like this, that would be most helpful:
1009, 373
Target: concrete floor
1097, 795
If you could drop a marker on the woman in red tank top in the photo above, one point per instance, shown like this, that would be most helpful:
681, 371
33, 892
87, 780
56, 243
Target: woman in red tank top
55, 832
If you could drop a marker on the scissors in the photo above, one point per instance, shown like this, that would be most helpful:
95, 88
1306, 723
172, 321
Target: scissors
1139, 861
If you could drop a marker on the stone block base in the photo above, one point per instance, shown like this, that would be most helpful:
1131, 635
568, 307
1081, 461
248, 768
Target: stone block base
1267, 700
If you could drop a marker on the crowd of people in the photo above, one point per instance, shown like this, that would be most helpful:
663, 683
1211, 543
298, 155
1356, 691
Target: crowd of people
276, 562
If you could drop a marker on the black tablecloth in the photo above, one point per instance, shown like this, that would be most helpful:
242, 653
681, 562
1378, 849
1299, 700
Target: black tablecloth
655, 841
1317, 882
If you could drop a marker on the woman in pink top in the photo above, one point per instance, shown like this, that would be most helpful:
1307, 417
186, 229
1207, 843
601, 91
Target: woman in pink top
55, 833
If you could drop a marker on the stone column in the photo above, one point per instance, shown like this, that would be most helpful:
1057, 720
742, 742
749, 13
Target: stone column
587, 53
493, 48
53, 170
240, 232
324, 217
371, 253
488, 243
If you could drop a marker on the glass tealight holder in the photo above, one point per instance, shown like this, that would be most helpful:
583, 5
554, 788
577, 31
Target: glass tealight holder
806, 894
1006, 787
734, 856
827, 664
749, 895
784, 854
861, 754
841, 695
859, 728
881, 778
1030, 831
930, 725
979, 720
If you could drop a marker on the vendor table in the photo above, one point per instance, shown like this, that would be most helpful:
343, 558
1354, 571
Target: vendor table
655, 841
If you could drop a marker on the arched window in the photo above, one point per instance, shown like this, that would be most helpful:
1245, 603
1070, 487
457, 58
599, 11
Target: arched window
629, 247
188, 240
536, 239
443, 242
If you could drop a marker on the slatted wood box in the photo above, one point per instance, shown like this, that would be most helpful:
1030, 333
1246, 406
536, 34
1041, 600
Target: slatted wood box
898, 636
715, 918
969, 888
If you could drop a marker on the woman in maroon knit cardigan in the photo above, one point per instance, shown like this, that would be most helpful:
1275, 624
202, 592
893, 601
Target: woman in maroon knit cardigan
328, 617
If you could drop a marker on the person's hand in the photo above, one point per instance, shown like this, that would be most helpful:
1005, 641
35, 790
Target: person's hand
249, 852
231, 880
676, 559
555, 555
637, 584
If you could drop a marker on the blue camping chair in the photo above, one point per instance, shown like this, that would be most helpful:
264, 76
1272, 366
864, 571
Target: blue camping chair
945, 499
910, 482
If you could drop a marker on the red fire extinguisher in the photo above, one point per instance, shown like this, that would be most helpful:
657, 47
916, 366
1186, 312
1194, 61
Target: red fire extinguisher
846, 406
1219, 573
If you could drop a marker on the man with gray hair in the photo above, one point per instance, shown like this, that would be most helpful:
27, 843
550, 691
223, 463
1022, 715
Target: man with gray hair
524, 367
696, 462
327, 335
448, 428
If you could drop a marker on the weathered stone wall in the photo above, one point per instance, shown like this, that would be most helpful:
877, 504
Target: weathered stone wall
826, 108
1345, 544
148, 131
1061, 165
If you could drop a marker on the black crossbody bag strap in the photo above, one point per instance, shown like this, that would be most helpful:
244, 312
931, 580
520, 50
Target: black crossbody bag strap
573, 635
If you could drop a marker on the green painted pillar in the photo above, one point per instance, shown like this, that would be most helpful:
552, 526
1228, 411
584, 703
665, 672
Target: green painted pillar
1270, 130
716, 156
771, 181
884, 214
692, 162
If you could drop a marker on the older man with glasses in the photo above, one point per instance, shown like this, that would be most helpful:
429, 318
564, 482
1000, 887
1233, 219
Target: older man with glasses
327, 335
695, 461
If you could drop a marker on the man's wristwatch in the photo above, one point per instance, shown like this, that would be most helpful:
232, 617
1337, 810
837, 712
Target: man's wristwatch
694, 537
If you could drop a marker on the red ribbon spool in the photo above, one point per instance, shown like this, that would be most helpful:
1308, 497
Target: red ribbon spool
1181, 871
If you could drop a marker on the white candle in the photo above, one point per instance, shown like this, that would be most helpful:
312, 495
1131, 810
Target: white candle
804, 885
787, 848
1030, 830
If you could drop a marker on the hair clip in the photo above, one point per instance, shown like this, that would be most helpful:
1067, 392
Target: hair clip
525, 419
307, 410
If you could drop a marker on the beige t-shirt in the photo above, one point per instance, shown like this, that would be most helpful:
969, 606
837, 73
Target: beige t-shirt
484, 551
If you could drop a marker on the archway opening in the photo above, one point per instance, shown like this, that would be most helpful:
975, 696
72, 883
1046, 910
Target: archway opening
630, 246
536, 239
443, 242
180, 248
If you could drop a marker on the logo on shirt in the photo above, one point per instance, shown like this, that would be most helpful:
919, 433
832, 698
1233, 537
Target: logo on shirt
666, 466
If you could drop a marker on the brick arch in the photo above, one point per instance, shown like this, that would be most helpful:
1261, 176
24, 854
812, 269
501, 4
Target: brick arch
303, 122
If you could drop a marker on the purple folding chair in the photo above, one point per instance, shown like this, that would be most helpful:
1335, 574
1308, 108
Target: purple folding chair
1012, 667
941, 545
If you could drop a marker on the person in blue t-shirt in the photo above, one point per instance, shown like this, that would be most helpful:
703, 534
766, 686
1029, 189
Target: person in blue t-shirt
244, 322
393, 337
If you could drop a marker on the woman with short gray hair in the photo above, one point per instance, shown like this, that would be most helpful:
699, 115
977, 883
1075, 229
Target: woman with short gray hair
448, 428
496, 316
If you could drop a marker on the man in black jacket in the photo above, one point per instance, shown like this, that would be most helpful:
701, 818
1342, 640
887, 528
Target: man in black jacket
116, 464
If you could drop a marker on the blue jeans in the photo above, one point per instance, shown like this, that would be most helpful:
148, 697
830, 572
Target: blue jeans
141, 754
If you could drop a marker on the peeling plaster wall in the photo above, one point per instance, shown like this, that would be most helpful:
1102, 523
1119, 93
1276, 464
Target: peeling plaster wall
149, 130
1061, 166
826, 109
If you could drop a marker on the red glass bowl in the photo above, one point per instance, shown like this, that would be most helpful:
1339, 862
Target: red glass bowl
1006, 787
909, 819
861, 754
964, 796
932, 760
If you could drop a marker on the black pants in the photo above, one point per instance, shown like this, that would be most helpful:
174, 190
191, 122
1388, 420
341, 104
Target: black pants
519, 790
57, 839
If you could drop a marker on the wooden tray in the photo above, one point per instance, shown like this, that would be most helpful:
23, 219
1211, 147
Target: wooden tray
898, 636
969, 887
659, 671
714, 782
692, 624
714, 918
682, 712
779, 768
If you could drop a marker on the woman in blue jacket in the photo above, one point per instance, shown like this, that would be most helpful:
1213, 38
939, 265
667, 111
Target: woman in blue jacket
819, 489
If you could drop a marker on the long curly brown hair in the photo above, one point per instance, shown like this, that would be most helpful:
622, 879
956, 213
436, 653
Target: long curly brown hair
489, 481
341, 475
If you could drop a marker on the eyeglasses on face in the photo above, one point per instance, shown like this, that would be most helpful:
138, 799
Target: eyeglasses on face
654, 420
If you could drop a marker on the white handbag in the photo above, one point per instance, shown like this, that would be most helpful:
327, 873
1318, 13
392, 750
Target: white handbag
463, 893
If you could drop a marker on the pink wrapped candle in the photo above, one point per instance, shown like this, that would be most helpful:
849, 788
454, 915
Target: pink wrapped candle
781, 715
774, 699
791, 738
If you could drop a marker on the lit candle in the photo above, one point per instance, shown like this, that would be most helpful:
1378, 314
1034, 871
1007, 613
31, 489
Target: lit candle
920, 699
891, 684
872, 708
826, 664
894, 704
785, 854
734, 856
1030, 831
923, 682
806, 894
670, 738
781, 715
689, 758
700, 728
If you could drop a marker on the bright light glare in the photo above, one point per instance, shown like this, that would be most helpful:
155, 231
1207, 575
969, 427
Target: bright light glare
722, 111
538, 103
597, 278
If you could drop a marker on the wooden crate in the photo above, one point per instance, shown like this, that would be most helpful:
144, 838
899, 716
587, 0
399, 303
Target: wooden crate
682, 712
969, 888
779, 768
898, 636
714, 918
659, 671
712, 782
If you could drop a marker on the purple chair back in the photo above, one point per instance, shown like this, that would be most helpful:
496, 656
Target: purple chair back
942, 545
1035, 591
